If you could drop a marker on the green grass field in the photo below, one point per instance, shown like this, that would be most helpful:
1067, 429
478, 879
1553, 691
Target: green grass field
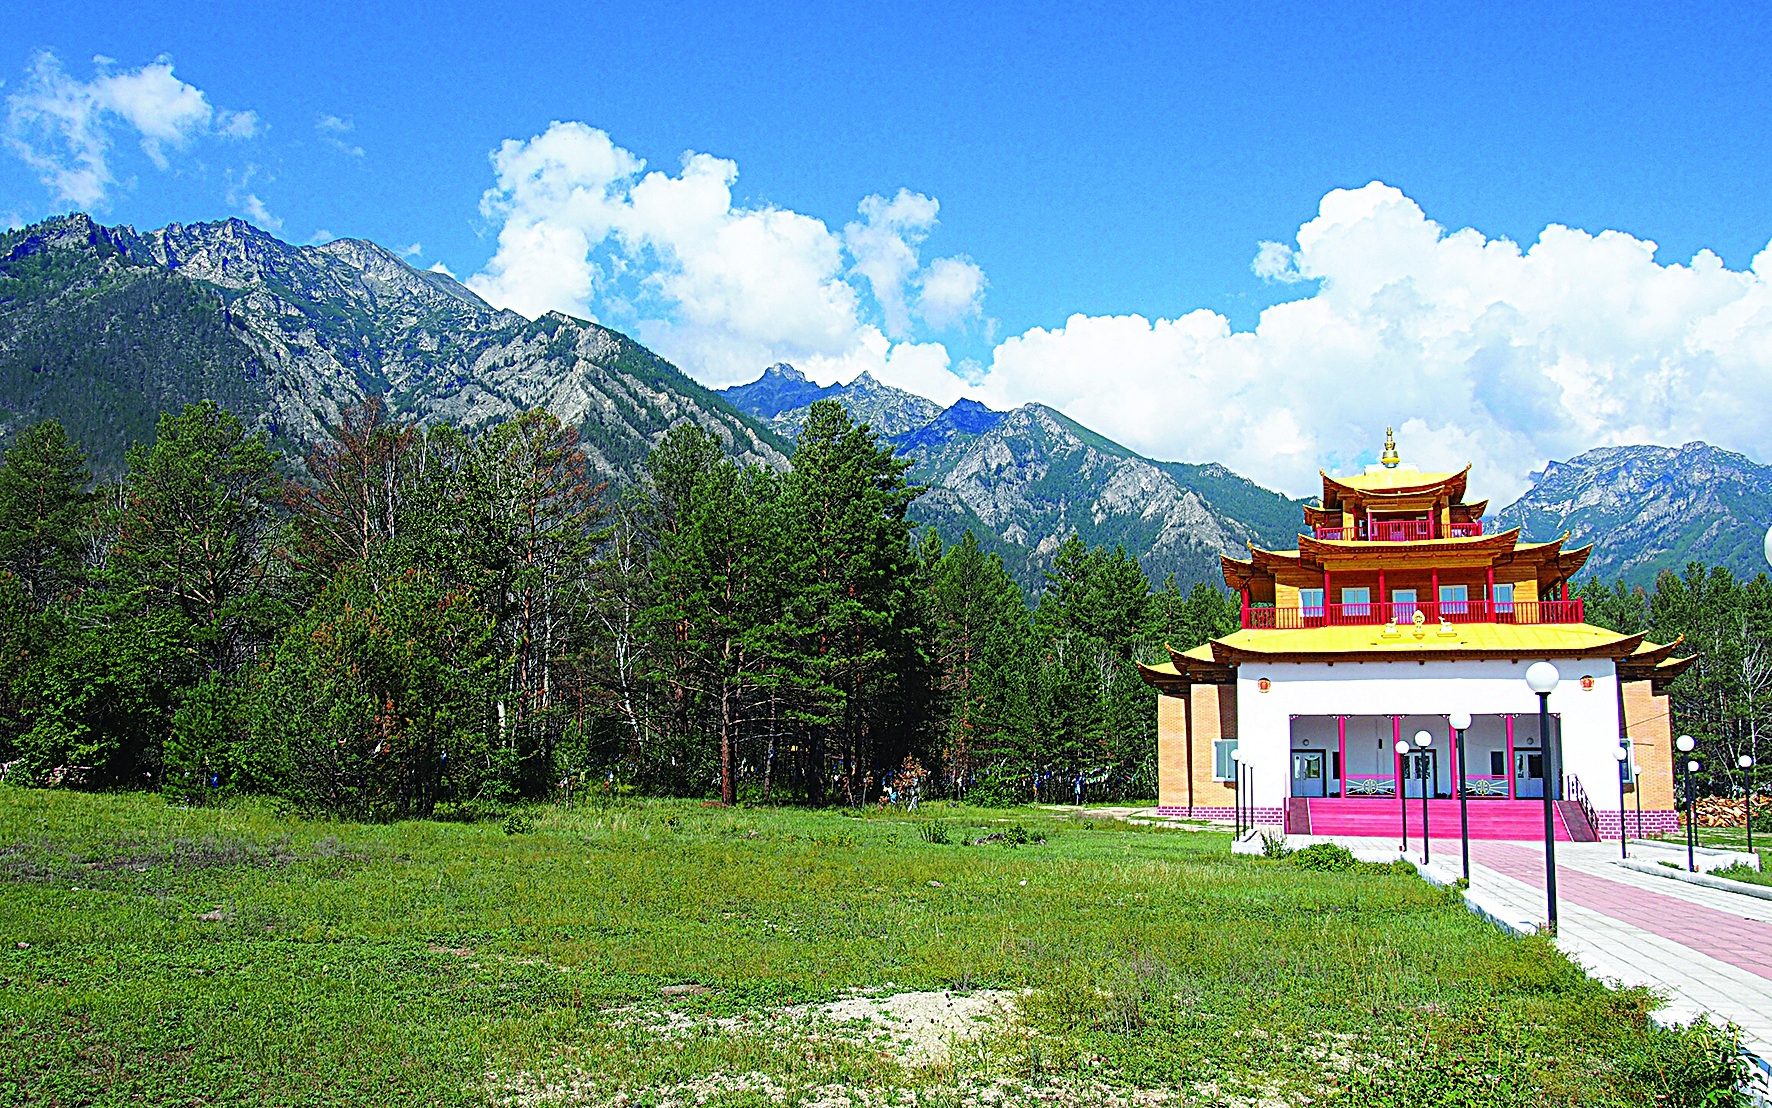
655, 953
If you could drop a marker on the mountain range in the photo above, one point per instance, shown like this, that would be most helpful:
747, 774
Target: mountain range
1649, 508
1026, 479
105, 327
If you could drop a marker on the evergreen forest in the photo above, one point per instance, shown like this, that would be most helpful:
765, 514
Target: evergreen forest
417, 622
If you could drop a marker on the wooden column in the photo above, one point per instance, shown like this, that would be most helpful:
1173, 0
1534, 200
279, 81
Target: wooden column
1341, 755
1397, 737
1327, 618
1452, 757
1510, 756
1491, 594
1436, 594
1383, 597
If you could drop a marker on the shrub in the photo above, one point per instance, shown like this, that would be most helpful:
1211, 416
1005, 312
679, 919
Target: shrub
1274, 846
935, 833
519, 822
1325, 858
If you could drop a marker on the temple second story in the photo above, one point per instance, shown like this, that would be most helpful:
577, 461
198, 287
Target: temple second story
1399, 546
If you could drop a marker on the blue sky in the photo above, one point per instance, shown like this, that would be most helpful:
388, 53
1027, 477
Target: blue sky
1073, 168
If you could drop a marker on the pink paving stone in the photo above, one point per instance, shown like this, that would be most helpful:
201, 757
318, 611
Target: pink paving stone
1743, 943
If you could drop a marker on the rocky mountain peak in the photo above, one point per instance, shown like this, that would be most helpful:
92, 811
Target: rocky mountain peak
1648, 508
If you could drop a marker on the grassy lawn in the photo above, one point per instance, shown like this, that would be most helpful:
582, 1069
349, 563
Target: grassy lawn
1736, 839
668, 953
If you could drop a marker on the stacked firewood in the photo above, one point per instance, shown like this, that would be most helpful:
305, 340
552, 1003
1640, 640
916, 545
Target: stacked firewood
1722, 811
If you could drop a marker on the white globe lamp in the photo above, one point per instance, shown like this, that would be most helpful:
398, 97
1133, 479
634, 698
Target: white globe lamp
1542, 678
1461, 721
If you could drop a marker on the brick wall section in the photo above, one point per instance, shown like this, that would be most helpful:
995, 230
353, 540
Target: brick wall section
1172, 752
1264, 817
1655, 822
1214, 717
1648, 725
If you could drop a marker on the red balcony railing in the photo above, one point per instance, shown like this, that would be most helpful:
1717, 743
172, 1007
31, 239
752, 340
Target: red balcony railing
1452, 611
1397, 530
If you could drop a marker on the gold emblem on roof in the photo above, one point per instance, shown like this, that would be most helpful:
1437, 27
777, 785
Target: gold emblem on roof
1389, 458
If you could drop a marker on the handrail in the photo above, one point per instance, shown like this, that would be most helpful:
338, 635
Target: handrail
1572, 790
1378, 613
1398, 530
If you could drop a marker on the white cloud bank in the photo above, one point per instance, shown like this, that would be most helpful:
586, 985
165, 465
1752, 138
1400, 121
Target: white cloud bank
721, 288
63, 127
1477, 349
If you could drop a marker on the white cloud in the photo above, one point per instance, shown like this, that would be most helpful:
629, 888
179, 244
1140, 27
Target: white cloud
721, 288
255, 211
247, 202
333, 129
1274, 262
412, 250
884, 246
63, 127
952, 290
439, 267
1476, 349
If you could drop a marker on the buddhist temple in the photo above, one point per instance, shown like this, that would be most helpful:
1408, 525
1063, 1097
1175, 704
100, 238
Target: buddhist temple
1398, 610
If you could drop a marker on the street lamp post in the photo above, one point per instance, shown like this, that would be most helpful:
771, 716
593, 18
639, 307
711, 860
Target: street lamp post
1402, 749
1746, 763
1461, 722
1542, 678
1685, 744
1623, 755
1424, 740
1237, 805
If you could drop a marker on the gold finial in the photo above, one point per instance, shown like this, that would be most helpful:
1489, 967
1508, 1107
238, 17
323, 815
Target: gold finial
1389, 458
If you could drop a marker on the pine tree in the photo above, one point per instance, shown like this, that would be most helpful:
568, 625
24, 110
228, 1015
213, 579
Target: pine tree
977, 630
43, 512
847, 498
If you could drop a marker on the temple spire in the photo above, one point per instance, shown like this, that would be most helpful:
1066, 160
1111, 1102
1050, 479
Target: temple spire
1389, 458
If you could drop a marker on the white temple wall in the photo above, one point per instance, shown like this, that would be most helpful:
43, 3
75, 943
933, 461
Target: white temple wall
1431, 690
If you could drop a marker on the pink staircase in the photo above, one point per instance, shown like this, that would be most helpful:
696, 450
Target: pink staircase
1377, 817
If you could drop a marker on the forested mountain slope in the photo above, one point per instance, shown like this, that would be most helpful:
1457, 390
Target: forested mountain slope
1027, 479
1650, 508
106, 327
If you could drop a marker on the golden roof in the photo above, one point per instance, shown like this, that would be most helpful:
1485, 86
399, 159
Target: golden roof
1395, 479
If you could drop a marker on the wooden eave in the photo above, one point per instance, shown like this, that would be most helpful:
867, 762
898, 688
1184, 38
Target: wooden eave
1652, 654
1163, 680
1199, 670
1239, 574
1569, 562
1536, 554
1666, 672
1476, 508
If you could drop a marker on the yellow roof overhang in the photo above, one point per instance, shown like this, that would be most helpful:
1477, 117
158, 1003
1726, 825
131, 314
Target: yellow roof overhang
1426, 642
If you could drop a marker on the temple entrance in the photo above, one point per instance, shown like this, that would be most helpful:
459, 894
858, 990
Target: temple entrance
1309, 776
1528, 774
1421, 770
